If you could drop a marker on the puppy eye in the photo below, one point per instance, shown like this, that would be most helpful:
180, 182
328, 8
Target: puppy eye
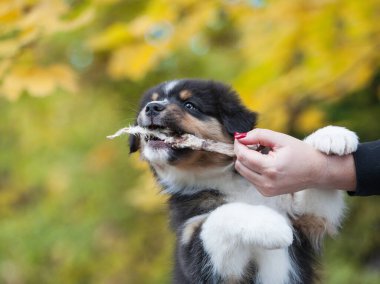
189, 105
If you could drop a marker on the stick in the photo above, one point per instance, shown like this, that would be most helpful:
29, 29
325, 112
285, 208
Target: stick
196, 143
183, 141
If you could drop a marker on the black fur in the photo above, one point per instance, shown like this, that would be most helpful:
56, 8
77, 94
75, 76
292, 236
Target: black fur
192, 263
213, 99
134, 143
306, 259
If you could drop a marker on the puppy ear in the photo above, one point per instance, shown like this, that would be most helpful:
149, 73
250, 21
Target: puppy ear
234, 115
134, 143
239, 120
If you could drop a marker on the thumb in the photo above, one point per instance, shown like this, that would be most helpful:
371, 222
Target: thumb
264, 137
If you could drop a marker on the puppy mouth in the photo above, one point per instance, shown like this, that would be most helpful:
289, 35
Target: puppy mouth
157, 143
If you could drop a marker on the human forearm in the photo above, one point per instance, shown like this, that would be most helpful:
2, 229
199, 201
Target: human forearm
292, 164
338, 173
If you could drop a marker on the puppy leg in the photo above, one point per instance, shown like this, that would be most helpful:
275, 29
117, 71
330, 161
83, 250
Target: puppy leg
333, 140
235, 233
326, 204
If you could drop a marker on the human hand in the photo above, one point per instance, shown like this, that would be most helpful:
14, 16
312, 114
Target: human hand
291, 165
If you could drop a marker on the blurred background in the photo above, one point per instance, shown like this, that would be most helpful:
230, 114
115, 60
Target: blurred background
75, 207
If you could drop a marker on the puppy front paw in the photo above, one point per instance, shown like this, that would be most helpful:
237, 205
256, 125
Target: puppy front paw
232, 232
247, 225
333, 140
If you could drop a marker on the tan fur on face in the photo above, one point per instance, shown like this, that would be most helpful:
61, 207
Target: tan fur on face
208, 129
185, 95
199, 160
174, 112
155, 96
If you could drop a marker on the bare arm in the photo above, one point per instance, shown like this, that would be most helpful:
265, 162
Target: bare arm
291, 165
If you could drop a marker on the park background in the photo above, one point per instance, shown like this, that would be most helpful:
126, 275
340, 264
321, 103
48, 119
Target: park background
75, 207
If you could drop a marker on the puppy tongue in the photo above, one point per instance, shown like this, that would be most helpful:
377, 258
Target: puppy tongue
158, 144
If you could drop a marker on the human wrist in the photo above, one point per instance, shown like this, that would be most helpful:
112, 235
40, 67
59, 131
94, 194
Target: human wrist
338, 172
321, 176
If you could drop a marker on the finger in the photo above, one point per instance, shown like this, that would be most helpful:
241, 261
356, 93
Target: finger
252, 176
250, 158
263, 137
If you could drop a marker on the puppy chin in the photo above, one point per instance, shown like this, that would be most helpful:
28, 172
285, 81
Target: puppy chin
156, 155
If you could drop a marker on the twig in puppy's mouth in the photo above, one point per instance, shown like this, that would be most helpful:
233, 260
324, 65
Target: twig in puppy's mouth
179, 142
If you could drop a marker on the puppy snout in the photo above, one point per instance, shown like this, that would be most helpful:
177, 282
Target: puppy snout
154, 108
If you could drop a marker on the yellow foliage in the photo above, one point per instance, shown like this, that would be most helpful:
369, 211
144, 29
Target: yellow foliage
23, 23
90, 200
133, 61
46, 16
322, 49
313, 49
100, 157
138, 162
37, 81
310, 120
112, 37
145, 195
138, 46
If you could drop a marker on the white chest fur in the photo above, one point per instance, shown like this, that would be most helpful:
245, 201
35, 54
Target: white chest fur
234, 187
251, 225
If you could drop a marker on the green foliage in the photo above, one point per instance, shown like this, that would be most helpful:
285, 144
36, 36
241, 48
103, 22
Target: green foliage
74, 207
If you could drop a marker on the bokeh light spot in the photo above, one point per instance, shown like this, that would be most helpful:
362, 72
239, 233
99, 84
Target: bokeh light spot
257, 3
199, 45
158, 33
79, 56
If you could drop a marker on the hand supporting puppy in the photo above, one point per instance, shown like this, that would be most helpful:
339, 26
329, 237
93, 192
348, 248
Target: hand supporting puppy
294, 165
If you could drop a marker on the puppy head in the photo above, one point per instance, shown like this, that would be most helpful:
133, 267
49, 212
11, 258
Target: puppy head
206, 109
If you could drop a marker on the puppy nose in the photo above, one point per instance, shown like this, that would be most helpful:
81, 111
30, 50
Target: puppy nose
154, 108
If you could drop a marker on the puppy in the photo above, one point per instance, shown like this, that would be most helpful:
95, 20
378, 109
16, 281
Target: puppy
227, 232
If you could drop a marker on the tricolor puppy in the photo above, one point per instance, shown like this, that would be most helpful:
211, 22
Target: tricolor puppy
227, 232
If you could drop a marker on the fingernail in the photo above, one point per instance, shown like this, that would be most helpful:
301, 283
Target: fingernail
239, 135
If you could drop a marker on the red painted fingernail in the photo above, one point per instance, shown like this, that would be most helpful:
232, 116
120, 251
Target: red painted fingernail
239, 135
